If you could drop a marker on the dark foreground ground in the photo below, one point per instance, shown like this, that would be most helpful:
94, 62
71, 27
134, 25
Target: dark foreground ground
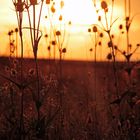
77, 100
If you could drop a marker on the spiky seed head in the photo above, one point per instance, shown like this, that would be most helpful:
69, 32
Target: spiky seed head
104, 5
58, 33
99, 18
33, 2
47, 1
120, 26
89, 30
101, 35
16, 30
64, 50
54, 42
53, 9
109, 56
62, 4
94, 29
60, 18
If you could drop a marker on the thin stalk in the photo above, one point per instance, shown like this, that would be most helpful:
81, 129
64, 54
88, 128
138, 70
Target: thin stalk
95, 84
112, 12
106, 21
16, 44
31, 34
39, 19
35, 46
20, 17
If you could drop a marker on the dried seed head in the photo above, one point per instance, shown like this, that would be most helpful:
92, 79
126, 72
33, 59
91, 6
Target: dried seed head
100, 43
90, 49
46, 36
64, 50
9, 33
120, 26
16, 30
7, 69
69, 23
58, 33
109, 56
33, 2
99, 18
49, 48
47, 1
101, 35
31, 72
94, 29
104, 5
60, 18
115, 47
13, 72
53, 9
112, 36
62, 4
110, 44
54, 42
89, 30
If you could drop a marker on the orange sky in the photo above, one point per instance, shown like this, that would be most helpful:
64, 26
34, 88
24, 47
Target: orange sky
82, 14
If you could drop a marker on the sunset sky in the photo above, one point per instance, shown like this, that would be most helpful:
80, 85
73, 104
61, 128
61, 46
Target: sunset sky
82, 14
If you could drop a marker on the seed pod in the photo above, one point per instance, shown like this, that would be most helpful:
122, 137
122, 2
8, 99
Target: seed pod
109, 56
19, 6
104, 5
47, 1
53, 9
62, 4
120, 26
94, 29
89, 30
64, 50
99, 18
54, 42
33, 2
101, 35
58, 33
60, 18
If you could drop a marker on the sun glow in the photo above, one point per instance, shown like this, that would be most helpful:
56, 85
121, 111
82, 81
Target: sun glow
76, 11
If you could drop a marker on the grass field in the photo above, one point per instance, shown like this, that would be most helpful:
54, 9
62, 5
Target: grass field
81, 104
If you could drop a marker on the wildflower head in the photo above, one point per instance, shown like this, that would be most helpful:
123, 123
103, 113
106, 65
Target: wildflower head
89, 30
69, 23
99, 18
31, 72
54, 42
110, 44
94, 29
64, 50
58, 33
47, 1
33, 2
101, 35
13, 72
60, 18
53, 9
109, 56
90, 49
62, 4
46, 35
104, 5
16, 30
120, 26
49, 48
